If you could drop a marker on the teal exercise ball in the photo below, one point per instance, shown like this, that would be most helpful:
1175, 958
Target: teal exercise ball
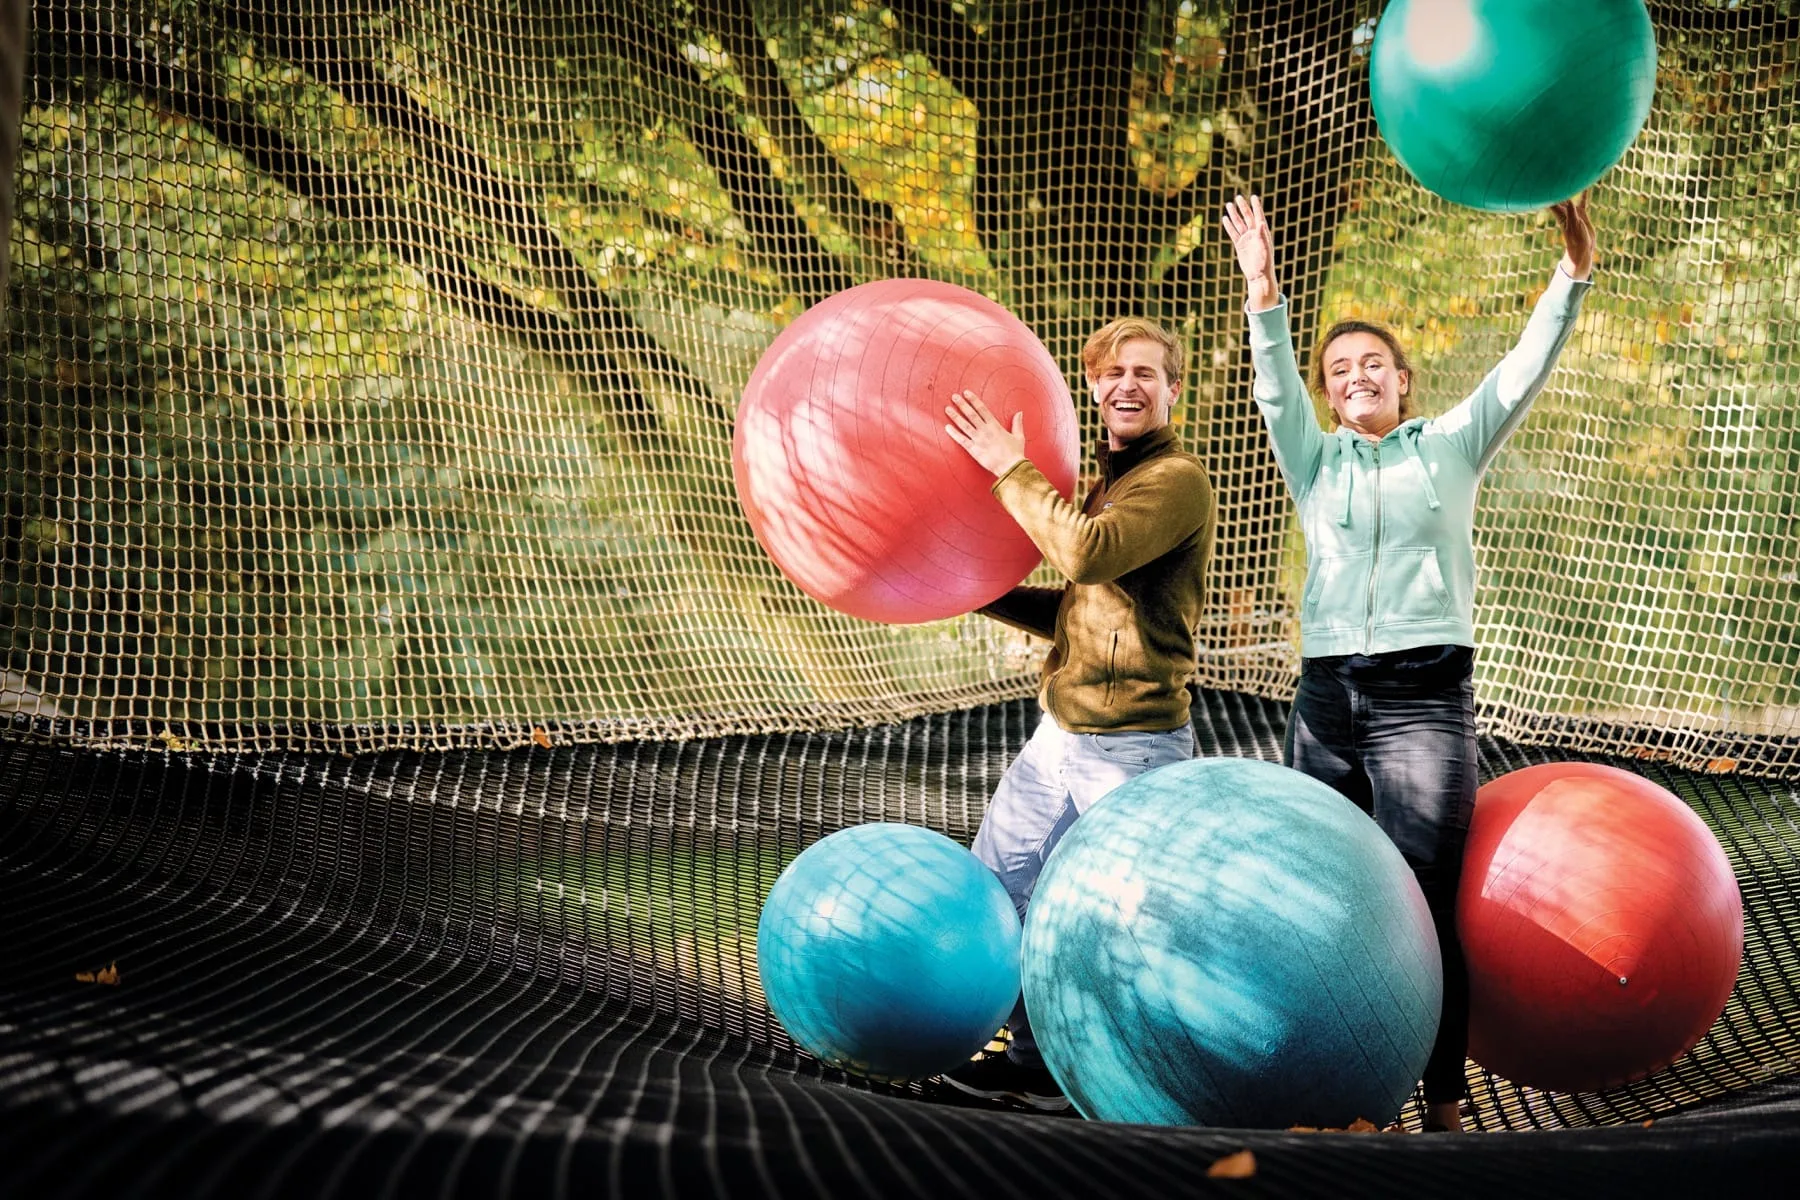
889, 950
1511, 105
1229, 942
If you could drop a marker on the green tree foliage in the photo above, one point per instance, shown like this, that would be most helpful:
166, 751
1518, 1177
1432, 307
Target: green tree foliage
372, 363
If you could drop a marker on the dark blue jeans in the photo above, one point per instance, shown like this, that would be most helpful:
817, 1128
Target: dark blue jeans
1396, 734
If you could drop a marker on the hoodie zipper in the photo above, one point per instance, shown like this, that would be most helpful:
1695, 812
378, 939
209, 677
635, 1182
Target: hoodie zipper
1374, 560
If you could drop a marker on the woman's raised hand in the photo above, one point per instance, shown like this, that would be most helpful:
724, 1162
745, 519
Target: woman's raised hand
1577, 234
1249, 232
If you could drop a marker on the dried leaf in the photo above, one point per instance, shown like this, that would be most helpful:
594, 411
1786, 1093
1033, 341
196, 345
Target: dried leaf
541, 738
1362, 1125
109, 975
1241, 1165
1722, 766
1649, 1123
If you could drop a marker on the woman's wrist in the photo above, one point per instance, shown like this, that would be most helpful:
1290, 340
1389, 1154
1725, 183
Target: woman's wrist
1263, 293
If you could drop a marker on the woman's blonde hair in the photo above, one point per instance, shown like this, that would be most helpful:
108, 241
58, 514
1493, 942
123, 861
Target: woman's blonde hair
1102, 349
1315, 376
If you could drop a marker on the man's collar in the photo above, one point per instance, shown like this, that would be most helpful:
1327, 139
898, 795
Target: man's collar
1114, 463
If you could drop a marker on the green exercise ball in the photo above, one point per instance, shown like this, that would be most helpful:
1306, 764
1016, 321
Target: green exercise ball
1511, 105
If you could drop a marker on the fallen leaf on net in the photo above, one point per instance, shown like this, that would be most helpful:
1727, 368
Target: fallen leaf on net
541, 738
1241, 1165
109, 975
1360, 1125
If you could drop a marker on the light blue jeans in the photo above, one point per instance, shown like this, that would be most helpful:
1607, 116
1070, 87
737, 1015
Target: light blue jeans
1058, 776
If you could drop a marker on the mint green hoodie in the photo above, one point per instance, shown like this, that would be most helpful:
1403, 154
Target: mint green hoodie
1390, 525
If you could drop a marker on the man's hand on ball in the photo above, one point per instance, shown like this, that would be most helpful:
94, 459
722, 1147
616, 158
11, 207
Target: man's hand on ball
978, 431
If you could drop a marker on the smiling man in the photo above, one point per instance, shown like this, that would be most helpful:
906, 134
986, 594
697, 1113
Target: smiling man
1114, 686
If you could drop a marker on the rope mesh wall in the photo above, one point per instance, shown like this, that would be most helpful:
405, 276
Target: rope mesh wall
372, 364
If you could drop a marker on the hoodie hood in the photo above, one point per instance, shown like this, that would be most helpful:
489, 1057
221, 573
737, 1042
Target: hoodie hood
1348, 449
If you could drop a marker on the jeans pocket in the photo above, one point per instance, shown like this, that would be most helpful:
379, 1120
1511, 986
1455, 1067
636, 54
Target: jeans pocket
1099, 762
1113, 748
1144, 749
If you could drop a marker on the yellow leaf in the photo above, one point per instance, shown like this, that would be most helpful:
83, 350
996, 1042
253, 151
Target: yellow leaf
1241, 1165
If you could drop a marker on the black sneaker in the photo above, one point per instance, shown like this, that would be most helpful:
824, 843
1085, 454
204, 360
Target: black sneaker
997, 1077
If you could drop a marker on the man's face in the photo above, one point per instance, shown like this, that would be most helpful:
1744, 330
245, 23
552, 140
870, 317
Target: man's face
1133, 392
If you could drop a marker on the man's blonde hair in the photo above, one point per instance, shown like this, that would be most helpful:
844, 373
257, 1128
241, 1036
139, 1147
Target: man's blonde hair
1102, 349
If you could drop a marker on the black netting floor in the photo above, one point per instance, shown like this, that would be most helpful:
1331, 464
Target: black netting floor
391, 976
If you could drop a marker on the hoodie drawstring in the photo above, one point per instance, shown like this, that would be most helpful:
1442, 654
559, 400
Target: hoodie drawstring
1409, 438
1347, 450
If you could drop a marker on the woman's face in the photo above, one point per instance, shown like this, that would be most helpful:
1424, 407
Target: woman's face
1362, 384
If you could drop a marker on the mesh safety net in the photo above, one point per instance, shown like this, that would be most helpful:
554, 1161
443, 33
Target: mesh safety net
378, 595
504, 972
373, 364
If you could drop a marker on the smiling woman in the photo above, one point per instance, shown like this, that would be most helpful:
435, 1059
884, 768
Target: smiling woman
1363, 373
1385, 709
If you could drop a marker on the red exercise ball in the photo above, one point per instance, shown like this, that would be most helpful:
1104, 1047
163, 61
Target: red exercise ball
845, 471
1602, 926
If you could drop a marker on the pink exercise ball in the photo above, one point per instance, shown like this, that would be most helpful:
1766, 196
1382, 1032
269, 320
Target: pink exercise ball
1602, 926
845, 471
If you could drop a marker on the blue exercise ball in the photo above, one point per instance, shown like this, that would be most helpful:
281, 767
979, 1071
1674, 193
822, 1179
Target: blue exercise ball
1230, 942
1511, 105
889, 950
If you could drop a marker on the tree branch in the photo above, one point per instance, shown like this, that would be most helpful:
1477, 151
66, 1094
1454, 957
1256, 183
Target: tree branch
466, 173
1313, 126
873, 224
778, 233
1112, 217
442, 259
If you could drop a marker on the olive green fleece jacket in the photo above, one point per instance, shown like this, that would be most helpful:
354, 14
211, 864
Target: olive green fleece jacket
1135, 554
